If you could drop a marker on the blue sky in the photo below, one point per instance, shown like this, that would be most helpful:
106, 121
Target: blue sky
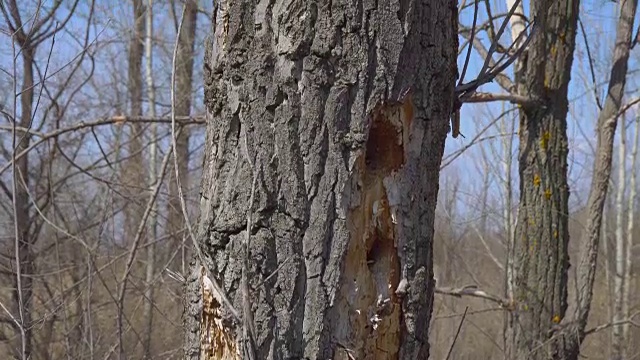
599, 18
113, 19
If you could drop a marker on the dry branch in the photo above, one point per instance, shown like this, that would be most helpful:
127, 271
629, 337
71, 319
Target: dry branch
473, 291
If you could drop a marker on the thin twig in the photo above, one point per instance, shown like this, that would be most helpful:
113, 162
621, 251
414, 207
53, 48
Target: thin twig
274, 272
475, 312
457, 333
494, 42
629, 320
591, 69
473, 34
446, 161
489, 73
479, 97
247, 323
112, 120
18, 260
136, 243
490, 19
473, 291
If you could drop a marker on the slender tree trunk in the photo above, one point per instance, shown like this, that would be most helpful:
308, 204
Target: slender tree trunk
331, 118
134, 167
133, 174
607, 270
542, 234
147, 312
23, 290
632, 201
619, 281
517, 28
509, 226
540, 328
607, 123
184, 91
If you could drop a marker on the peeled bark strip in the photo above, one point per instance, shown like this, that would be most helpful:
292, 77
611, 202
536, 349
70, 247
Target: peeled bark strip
343, 109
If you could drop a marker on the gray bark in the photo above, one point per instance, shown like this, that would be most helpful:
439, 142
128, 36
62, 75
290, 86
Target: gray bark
541, 237
541, 327
340, 110
607, 123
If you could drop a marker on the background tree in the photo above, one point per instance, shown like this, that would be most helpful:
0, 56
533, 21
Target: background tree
78, 182
543, 329
542, 233
184, 91
541, 280
26, 41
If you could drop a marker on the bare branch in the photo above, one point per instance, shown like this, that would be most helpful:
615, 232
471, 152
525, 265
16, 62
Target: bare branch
471, 39
473, 291
479, 97
112, 120
628, 321
591, 68
455, 338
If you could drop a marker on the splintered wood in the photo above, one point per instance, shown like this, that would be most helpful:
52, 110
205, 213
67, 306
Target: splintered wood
373, 310
217, 340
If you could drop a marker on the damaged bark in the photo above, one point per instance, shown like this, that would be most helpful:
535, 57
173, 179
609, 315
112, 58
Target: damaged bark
340, 110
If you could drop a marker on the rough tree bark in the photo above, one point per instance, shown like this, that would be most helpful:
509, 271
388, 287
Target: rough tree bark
607, 124
541, 327
542, 233
339, 110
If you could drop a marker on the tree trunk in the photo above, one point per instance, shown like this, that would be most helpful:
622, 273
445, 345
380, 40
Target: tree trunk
339, 111
184, 91
147, 312
620, 282
542, 233
23, 290
539, 328
607, 123
631, 214
133, 174
134, 167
